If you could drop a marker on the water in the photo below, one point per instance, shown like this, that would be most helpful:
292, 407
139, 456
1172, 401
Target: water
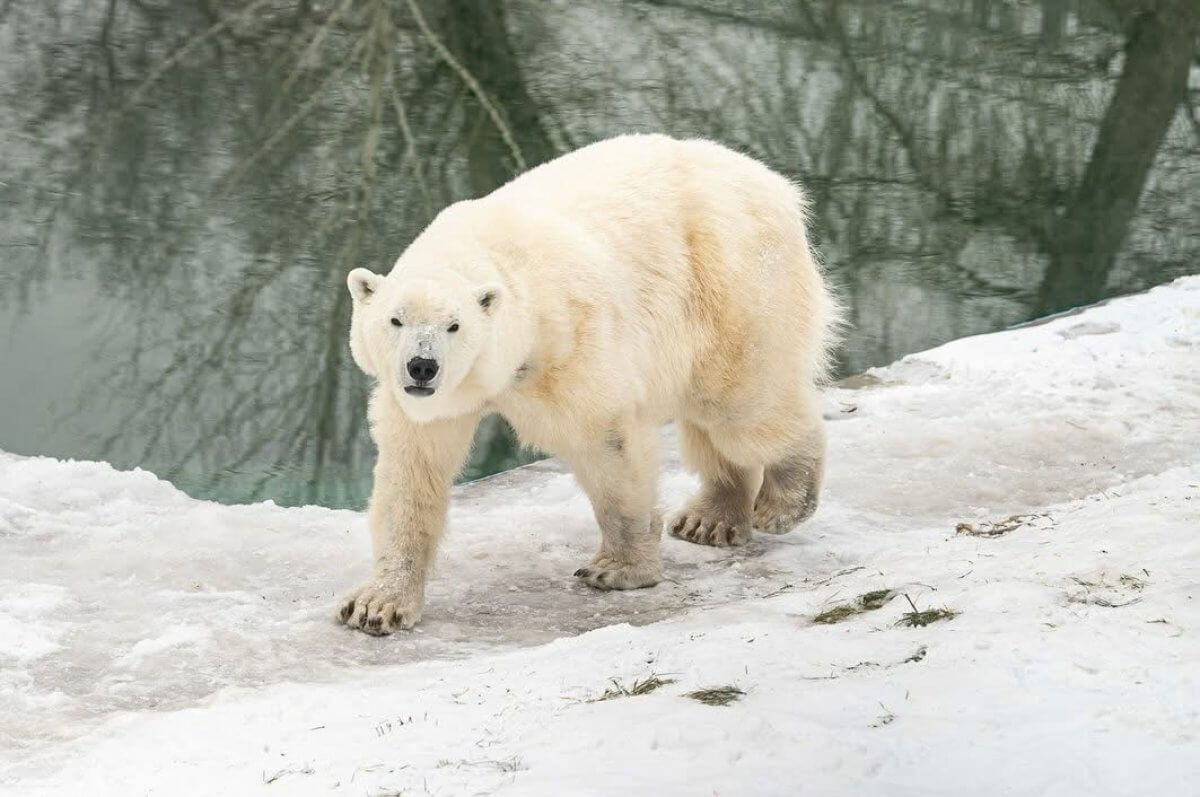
184, 186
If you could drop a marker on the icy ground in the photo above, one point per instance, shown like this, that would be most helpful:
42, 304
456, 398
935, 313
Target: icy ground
154, 644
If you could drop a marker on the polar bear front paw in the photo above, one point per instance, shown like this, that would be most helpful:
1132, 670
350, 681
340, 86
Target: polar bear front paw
604, 572
381, 606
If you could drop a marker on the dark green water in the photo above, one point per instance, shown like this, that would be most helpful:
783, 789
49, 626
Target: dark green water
185, 184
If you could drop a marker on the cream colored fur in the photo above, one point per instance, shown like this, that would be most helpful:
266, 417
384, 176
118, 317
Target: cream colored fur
634, 281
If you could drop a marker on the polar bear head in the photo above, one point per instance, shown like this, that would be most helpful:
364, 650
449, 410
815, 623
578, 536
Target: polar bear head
426, 338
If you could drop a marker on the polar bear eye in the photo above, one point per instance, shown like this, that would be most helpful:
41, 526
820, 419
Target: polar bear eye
396, 322
453, 327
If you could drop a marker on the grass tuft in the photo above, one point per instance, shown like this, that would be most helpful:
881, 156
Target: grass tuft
513, 764
1099, 589
835, 615
997, 528
1135, 583
919, 619
717, 695
886, 718
867, 602
870, 601
643, 687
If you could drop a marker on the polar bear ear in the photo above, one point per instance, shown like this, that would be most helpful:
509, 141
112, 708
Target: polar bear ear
362, 283
488, 297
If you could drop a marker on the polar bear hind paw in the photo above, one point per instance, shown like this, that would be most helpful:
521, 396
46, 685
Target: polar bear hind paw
788, 495
779, 512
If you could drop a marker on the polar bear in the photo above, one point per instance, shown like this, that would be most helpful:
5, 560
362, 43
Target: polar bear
634, 281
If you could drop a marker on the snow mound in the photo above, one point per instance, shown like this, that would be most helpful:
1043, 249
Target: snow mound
1040, 485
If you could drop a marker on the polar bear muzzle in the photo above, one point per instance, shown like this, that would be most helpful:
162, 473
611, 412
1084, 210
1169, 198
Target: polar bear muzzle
423, 371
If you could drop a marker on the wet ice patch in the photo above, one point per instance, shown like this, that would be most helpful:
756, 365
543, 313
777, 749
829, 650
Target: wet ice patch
28, 629
168, 642
23, 642
1089, 328
912, 369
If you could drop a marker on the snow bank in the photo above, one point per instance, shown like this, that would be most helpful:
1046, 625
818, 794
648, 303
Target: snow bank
154, 644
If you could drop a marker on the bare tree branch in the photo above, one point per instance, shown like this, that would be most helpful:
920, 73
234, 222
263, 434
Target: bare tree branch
471, 83
187, 47
300, 112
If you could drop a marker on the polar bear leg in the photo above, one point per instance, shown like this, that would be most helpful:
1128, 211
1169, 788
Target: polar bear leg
764, 473
619, 475
792, 483
407, 514
721, 512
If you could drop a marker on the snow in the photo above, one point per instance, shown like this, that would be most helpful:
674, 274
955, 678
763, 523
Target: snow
155, 644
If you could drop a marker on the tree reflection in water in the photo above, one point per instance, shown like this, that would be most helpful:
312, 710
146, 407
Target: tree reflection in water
186, 184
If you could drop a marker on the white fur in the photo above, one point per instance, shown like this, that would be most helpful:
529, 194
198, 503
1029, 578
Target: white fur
634, 281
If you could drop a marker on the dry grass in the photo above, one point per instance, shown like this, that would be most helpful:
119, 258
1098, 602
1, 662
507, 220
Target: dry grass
643, 687
997, 528
919, 619
867, 602
1100, 590
870, 601
1135, 583
836, 614
514, 764
717, 695
886, 718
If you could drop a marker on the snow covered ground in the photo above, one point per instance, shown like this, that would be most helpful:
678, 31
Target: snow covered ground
155, 644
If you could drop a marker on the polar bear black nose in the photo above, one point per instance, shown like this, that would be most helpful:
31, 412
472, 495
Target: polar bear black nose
422, 369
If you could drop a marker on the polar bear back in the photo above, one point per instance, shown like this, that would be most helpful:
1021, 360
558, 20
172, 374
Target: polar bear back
674, 274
